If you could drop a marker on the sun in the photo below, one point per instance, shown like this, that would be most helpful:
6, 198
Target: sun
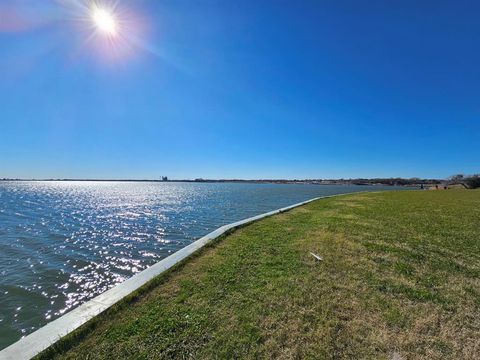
105, 21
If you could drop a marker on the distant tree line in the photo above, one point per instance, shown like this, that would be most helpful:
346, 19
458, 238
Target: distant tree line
356, 181
394, 181
470, 181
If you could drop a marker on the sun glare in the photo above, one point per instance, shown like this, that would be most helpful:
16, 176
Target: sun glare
111, 29
104, 21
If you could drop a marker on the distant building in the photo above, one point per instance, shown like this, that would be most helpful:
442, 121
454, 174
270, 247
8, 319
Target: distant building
164, 178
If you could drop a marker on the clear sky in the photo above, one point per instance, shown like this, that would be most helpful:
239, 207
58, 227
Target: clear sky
240, 89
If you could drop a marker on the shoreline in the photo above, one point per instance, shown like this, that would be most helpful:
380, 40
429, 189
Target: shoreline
340, 182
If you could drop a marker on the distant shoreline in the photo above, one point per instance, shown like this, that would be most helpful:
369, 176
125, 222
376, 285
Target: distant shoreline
369, 182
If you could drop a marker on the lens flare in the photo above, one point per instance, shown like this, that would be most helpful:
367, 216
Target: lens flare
104, 21
112, 31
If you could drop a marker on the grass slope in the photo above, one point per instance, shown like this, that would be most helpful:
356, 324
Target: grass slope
400, 278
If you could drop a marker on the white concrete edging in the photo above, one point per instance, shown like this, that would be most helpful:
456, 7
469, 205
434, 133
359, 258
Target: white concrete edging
41, 339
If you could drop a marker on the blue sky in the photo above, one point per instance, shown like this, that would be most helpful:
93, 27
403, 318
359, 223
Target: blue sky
243, 89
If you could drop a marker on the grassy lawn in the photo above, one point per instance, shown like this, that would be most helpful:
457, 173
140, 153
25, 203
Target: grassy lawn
400, 278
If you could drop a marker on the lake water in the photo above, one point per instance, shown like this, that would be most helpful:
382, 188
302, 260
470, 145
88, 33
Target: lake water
62, 243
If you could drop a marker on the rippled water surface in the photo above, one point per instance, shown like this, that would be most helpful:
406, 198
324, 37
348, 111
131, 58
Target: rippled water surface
62, 243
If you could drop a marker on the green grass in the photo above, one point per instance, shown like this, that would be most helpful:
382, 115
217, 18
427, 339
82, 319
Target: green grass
400, 275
